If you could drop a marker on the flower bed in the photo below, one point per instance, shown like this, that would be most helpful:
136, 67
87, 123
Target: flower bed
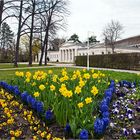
78, 102
70, 99
19, 122
125, 112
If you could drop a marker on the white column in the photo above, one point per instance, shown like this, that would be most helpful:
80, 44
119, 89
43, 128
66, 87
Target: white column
70, 55
64, 55
73, 55
61, 55
67, 56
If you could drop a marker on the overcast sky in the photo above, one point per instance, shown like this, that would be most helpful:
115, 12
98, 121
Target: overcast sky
93, 15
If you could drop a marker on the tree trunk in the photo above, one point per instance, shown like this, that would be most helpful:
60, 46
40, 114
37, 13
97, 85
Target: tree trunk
1, 11
113, 48
18, 35
31, 35
42, 50
46, 50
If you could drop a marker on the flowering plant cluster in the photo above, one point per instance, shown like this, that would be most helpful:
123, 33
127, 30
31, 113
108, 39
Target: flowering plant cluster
101, 124
66, 97
125, 112
17, 120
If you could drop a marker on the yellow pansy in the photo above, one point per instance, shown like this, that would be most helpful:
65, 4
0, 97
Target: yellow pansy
12, 138
12, 132
18, 133
48, 136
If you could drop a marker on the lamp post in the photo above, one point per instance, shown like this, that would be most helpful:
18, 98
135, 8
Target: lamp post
88, 47
88, 52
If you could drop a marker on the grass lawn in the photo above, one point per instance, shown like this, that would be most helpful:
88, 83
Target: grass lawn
10, 65
8, 75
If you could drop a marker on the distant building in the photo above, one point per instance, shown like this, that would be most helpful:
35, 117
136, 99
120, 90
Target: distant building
69, 50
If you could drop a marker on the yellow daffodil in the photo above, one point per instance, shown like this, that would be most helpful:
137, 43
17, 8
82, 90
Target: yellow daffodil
94, 90
36, 94
80, 105
34, 84
27, 80
28, 74
88, 100
95, 75
78, 89
42, 87
52, 87
50, 72
86, 76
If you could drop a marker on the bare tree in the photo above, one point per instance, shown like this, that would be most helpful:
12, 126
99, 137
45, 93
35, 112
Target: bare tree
1, 10
18, 35
53, 20
111, 33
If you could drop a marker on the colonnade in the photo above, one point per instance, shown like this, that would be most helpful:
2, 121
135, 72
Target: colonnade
67, 55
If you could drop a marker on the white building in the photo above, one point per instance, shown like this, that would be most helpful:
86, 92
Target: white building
69, 50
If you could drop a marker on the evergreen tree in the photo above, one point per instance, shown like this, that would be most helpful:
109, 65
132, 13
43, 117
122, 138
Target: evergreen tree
6, 43
6, 36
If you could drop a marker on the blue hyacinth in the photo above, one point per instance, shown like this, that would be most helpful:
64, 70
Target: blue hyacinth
39, 107
104, 107
67, 128
24, 96
83, 135
33, 103
29, 99
99, 126
16, 90
49, 115
106, 121
105, 114
108, 93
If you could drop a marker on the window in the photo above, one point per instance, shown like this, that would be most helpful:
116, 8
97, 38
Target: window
109, 52
83, 54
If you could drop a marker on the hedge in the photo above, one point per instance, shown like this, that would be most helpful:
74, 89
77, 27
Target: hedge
129, 61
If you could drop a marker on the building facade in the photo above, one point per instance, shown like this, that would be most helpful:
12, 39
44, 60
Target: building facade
69, 50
